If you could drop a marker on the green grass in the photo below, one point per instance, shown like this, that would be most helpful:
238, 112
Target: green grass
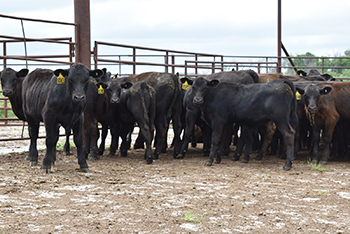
10, 113
320, 192
60, 145
190, 217
265, 178
316, 166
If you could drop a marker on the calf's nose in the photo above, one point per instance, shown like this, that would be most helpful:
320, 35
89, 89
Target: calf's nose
312, 109
7, 93
79, 97
197, 101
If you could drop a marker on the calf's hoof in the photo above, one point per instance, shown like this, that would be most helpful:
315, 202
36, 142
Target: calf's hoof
47, 171
323, 162
258, 158
245, 160
149, 160
179, 156
287, 167
217, 161
208, 164
85, 170
33, 163
123, 153
93, 158
27, 158
156, 155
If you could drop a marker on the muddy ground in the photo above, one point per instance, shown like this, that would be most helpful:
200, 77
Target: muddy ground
125, 195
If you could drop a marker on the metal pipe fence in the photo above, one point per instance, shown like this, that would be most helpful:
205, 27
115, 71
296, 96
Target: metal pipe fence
130, 60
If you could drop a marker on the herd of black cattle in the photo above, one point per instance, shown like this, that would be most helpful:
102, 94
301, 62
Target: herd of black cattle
271, 110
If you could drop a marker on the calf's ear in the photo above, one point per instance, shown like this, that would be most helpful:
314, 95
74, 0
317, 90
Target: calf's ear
104, 85
189, 81
213, 83
328, 77
326, 90
301, 73
97, 73
300, 90
126, 85
22, 73
63, 72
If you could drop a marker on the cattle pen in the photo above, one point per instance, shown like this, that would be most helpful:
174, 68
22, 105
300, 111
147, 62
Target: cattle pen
126, 195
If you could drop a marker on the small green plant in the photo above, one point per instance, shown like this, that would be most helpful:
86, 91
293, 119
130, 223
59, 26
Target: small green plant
60, 145
190, 217
320, 192
265, 178
316, 166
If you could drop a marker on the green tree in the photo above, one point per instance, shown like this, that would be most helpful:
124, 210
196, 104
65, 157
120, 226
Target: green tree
304, 61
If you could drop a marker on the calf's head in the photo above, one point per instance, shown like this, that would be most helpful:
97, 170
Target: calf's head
200, 88
9, 79
77, 79
312, 94
114, 88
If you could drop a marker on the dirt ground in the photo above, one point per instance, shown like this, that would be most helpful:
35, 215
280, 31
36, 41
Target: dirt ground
125, 195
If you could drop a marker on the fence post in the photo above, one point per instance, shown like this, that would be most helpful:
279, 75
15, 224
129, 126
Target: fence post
82, 31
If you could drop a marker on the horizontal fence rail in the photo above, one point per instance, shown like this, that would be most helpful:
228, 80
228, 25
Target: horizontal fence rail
131, 60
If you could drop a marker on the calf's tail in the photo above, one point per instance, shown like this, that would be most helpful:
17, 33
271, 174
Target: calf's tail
293, 118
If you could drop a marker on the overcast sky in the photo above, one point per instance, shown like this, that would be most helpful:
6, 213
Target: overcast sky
228, 27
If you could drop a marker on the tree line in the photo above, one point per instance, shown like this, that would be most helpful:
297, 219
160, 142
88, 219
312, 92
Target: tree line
305, 60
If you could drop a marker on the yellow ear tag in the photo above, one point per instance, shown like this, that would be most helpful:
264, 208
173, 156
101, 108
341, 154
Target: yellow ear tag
301, 74
101, 90
298, 95
185, 86
60, 79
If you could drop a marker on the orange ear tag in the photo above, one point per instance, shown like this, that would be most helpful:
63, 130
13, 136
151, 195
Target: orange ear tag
101, 90
185, 86
60, 79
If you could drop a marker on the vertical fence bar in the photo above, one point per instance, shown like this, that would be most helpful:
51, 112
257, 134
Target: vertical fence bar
279, 38
71, 51
5, 111
134, 60
173, 63
95, 54
222, 63
196, 59
166, 61
4, 53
